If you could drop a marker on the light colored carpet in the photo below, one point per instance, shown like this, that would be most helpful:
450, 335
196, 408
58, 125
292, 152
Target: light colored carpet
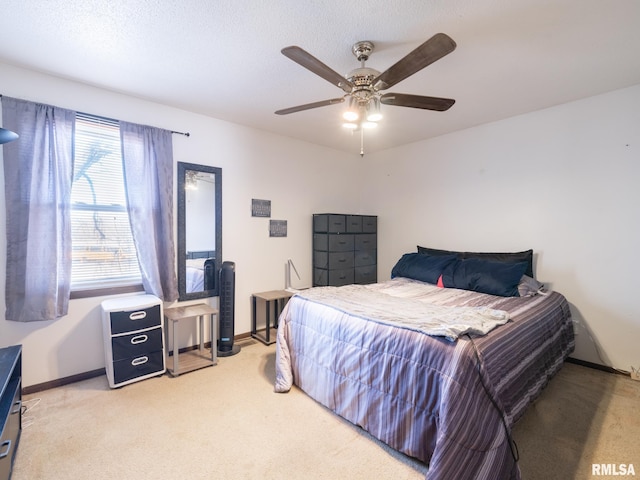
226, 422
583, 417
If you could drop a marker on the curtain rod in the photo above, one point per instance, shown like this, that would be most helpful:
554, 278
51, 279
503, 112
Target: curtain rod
186, 134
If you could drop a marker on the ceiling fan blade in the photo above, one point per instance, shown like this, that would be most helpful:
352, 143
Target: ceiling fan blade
311, 63
308, 106
417, 101
433, 49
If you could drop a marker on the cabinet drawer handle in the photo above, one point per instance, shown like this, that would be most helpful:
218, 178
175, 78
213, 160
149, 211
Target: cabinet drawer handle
138, 315
139, 339
342, 260
139, 361
6, 443
17, 407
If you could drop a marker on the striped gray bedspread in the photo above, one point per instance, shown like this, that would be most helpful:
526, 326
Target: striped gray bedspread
423, 394
371, 303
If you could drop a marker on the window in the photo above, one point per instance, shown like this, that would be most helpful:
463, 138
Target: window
103, 255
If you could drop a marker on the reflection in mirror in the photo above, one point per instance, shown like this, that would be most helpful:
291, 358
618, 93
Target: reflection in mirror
199, 230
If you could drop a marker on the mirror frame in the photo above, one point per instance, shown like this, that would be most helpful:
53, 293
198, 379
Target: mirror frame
182, 241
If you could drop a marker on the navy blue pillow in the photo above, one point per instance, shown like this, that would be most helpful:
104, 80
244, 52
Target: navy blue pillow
426, 268
485, 276
513, 257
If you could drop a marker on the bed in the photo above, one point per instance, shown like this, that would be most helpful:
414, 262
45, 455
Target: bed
200, 271
448, 396
195, 275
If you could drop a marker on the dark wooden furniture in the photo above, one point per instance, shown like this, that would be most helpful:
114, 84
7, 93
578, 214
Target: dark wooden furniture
344, 249
10, 407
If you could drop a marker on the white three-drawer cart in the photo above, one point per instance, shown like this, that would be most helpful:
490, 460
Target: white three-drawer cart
134, 339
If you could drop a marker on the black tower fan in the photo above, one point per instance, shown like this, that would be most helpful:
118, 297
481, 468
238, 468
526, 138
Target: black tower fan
227, 284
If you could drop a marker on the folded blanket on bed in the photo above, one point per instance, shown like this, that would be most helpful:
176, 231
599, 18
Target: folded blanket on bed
434, 320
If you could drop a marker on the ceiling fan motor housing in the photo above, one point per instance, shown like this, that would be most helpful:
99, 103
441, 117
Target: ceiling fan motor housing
362, 79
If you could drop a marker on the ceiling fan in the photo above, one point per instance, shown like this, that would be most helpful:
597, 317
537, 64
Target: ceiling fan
362, 86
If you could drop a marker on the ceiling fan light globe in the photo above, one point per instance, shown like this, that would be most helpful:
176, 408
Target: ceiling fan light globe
374, 114
350, 125
350, 116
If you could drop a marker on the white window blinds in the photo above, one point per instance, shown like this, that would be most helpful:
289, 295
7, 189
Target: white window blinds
103, 251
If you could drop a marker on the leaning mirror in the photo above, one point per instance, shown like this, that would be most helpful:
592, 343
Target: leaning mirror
199, 230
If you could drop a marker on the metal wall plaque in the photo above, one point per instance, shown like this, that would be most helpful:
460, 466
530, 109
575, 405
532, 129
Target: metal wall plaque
277, 228
260, 208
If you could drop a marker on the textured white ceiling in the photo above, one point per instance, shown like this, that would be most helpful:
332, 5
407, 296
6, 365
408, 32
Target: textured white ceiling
222, 57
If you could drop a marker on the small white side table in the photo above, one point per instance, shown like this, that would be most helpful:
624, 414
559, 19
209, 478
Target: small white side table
192, 359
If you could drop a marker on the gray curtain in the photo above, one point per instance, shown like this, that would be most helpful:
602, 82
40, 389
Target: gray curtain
147, 154
38, 173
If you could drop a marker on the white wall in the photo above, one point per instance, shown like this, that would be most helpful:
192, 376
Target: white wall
564, 181
298, 178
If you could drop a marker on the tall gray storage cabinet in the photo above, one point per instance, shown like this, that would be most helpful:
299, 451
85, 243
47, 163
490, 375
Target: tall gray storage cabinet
344, 249
134, 339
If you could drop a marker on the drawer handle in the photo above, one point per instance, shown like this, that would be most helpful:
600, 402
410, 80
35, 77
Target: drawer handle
342, 242
342, 260
139, 361
6, 443
17, 407
139, 339
138, 315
